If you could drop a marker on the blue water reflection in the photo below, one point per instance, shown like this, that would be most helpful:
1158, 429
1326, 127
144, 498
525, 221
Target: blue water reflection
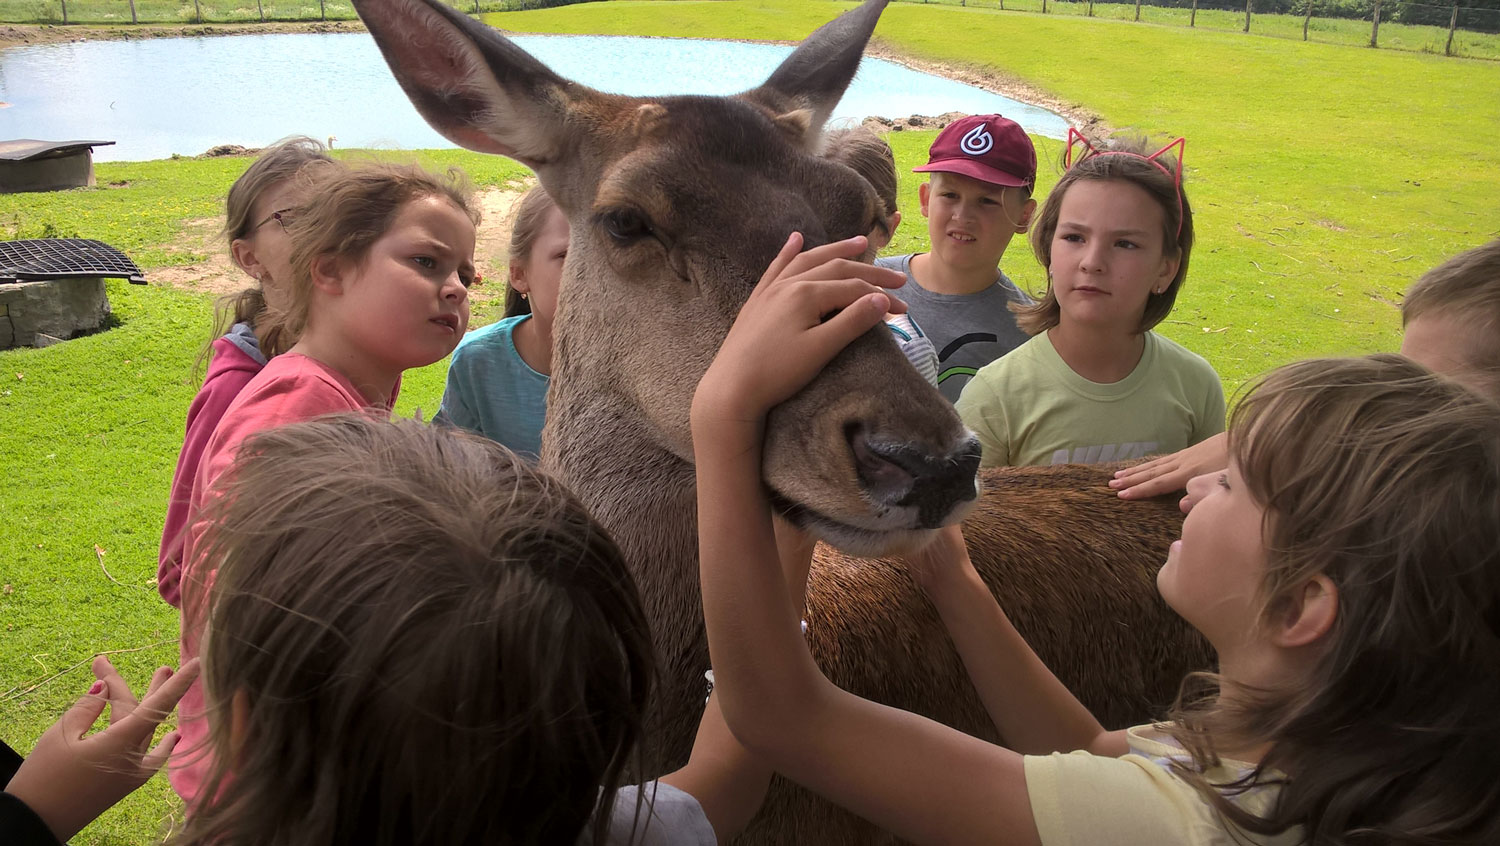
156, 97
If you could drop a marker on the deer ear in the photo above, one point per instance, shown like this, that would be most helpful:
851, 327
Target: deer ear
470, 83
815, 75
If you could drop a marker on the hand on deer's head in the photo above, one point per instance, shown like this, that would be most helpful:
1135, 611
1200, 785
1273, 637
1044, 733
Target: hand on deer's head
806, 309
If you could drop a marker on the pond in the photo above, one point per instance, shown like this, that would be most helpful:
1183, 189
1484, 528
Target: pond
157, 97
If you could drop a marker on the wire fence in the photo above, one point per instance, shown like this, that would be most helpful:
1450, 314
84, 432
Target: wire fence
1451, 30
111, 12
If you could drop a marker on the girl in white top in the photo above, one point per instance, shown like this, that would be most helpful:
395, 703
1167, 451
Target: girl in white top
1346, 568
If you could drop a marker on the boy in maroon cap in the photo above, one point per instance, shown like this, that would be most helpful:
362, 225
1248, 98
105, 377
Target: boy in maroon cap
979, 196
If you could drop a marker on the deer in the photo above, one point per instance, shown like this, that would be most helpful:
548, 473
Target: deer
676, 206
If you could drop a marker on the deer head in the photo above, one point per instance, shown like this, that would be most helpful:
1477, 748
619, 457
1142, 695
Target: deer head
677, 204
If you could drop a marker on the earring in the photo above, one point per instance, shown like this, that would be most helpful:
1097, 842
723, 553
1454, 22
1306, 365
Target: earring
525, 296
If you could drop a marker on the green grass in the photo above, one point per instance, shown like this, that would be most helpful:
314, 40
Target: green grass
1347, 31
204, 11
1325, 179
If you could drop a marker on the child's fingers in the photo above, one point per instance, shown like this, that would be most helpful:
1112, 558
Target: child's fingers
116, 690
830, 295
787, 254
854, 320
153, 760
849, 248
81, 716
161, 700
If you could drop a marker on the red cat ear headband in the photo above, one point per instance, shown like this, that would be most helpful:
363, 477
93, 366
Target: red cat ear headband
1076, 137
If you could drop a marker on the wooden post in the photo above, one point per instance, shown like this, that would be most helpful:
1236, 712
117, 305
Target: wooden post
1193, 19
65, 10
1091, 8
132, 12
1248, 3
1307, 20
197, 12
1375, 30
1452, 25
322, 11
1137, 9
259, 7
1044, 7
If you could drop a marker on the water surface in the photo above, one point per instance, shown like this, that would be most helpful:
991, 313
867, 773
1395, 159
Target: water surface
160, 96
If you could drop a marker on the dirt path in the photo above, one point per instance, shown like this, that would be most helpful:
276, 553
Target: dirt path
13, 35
217, 274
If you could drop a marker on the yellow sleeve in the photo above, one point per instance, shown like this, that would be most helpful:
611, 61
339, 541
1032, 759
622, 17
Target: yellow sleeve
980, 409
1086, 799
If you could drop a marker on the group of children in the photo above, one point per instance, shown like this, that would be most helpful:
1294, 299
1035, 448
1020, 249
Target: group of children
403, 633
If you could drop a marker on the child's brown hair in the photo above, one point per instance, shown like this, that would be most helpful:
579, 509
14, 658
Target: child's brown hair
1466, 290
414, 637
867, 154
1159, 176
531, 216
348, 210
1385, 479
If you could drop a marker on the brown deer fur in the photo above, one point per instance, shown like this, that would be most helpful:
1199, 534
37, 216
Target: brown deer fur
677, 204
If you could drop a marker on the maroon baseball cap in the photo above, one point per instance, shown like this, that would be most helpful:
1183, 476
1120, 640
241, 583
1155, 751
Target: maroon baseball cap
989, 148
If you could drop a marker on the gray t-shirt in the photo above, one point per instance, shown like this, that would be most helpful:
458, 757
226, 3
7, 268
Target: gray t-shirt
668, 817
968, 330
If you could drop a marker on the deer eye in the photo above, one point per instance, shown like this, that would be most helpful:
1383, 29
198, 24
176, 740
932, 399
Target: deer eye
625, 226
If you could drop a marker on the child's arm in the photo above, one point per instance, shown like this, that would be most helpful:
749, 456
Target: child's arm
1031, 709
922, 780
729, 782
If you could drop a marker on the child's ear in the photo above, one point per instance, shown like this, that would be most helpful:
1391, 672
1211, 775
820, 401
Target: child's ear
924, 193
894, 222
329, 274
1309, 615
1169, 265
1028, 209
517, 277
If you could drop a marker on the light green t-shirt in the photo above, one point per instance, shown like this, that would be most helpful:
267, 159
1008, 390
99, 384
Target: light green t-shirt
1137, 800
1030, 408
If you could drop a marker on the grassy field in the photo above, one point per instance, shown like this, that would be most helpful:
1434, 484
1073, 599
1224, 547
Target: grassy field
1395, 36
1347, 31
1325, 179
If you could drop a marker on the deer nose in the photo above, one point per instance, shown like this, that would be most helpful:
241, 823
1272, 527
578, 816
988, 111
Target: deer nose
899, 475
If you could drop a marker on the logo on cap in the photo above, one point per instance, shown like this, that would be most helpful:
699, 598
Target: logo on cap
977, 141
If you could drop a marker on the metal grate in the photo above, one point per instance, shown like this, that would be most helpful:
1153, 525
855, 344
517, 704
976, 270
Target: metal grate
60, 258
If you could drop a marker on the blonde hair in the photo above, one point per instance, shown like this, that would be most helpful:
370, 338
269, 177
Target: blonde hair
275, 165
1163, 184
348, 210
1385, 479
531, 216
432, 641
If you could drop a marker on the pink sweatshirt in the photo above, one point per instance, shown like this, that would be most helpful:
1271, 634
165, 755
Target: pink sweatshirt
236, 360
291, 389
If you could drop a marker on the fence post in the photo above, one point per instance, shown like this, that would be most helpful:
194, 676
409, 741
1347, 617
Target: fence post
132, 12
1452, 25
197, 12
1091, 8
476, 7
1193, 19
1248, 4
322, 11
259, 7
1044, 7
1137, 9
65, 10
1307, 20
1375, 30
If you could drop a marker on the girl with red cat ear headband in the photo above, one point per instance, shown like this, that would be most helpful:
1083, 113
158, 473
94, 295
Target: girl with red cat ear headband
1094, 383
